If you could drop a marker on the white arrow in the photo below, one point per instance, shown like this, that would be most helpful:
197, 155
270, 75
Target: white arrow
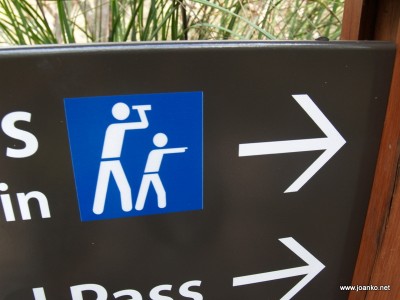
331, 143
314, 266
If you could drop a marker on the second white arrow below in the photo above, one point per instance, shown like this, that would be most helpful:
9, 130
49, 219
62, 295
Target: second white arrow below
313, 267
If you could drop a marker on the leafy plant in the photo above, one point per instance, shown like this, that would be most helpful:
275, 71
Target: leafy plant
69, 21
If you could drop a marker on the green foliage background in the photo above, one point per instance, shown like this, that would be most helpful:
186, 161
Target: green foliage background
25, 22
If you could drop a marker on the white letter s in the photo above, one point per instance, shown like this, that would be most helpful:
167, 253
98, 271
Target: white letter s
155, 292
8, 126
184, 290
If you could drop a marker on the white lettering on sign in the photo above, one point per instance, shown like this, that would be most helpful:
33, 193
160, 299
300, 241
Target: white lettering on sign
9, 128
23, 202
135, 295
77, 292
38, 294
155, 292
184, 290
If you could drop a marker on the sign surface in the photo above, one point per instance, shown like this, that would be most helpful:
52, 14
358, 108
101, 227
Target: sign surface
187, 170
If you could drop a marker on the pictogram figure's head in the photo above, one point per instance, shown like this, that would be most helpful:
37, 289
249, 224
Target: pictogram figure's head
120, 111
160, 140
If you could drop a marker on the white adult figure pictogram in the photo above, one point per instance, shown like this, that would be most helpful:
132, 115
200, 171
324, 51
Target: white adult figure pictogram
110, 157
151, 170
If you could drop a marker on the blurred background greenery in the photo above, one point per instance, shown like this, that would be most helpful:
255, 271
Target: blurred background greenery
25, 22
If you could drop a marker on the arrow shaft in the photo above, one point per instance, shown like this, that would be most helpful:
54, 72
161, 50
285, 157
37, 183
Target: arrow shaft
264, 148
269, 276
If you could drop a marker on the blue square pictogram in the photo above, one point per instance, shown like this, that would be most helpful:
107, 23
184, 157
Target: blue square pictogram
136, 155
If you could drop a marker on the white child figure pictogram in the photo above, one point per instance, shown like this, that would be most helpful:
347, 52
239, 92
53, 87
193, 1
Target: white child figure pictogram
110, 157
151, 170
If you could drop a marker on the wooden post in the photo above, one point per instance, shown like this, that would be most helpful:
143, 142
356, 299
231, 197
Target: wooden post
358, 19
379, 256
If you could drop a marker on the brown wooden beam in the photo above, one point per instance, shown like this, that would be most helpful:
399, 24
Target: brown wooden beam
387, 19
379, 256
359, 19
386, 269
351, 19
381, 204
